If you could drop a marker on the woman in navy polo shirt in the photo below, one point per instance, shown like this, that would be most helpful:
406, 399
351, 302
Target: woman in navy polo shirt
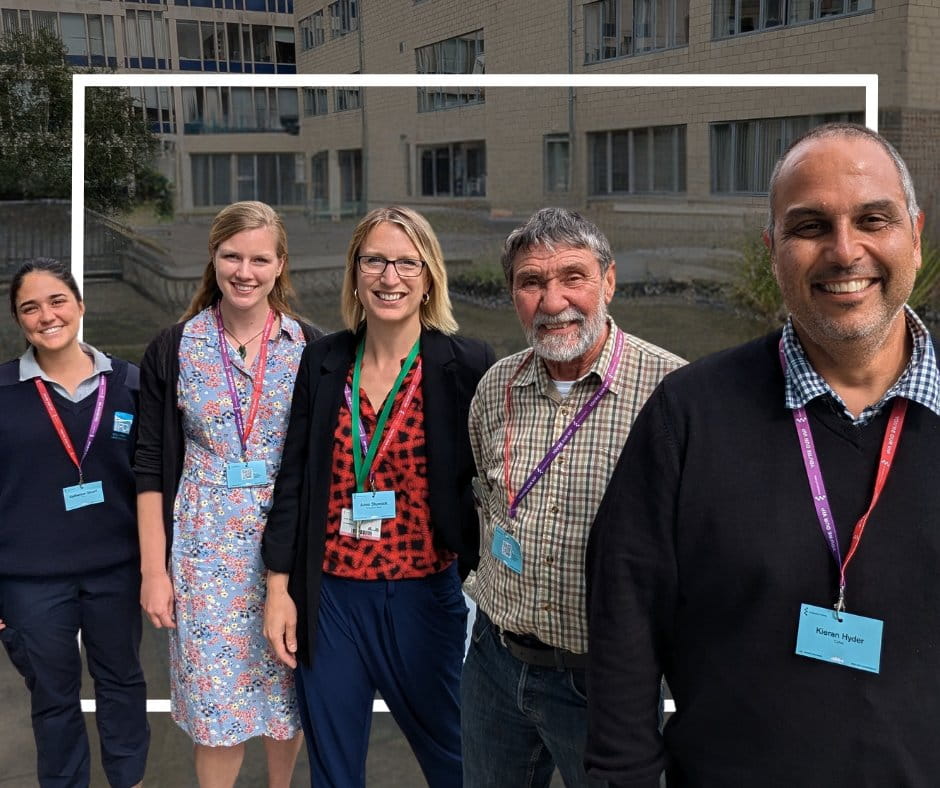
69, 557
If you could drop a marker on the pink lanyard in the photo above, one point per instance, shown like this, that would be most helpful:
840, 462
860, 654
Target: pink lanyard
817, 487
244, 427
390, 431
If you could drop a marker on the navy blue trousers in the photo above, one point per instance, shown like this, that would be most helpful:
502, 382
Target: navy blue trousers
43, 617
404, 638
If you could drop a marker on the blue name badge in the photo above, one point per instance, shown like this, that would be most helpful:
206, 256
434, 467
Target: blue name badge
854, 642
246, 474
81, 495
122, 425
378, 505
506, 549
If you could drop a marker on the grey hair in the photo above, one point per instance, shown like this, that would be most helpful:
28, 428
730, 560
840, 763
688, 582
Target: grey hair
842, 129
550, 228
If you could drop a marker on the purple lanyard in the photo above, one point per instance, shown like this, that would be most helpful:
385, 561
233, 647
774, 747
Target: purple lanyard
244, 430
363, 440
569, 432
818, 488
60, 427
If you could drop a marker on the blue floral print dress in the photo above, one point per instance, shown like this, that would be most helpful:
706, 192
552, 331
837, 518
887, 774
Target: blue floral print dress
226, 684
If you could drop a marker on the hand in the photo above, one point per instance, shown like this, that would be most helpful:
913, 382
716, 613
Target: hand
280, 624
2, 625
156, 598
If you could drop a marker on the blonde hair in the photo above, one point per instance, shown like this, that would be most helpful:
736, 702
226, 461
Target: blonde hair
231, 220
436, 312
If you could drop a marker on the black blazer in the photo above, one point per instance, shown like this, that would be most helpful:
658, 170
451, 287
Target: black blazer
294, 537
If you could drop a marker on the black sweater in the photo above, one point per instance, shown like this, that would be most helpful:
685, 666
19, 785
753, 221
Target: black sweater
38, 537
705, 546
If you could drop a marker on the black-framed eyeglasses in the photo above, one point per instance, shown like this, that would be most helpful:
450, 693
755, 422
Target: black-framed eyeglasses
373, 264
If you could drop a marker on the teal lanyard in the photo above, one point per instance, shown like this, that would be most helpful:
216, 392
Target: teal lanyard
361, 467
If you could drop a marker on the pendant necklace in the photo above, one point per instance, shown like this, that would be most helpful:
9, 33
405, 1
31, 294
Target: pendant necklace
242, 350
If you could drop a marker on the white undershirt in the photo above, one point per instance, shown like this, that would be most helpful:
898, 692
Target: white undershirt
563, 386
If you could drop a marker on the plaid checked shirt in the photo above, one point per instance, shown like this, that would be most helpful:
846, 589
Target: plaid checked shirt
920, 381
553, 520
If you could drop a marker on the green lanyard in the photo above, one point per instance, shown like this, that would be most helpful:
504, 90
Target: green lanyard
362, 466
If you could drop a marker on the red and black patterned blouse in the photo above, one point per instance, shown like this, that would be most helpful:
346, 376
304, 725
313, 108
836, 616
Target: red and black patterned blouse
406, 549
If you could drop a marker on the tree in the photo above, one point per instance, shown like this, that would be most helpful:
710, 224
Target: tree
36, 129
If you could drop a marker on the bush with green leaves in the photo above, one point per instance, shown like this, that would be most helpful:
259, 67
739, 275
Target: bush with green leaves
755, 287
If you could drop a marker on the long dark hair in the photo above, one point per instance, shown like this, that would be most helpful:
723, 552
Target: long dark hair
46, 265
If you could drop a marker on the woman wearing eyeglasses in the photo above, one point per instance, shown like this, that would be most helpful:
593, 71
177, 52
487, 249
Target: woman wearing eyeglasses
373, 524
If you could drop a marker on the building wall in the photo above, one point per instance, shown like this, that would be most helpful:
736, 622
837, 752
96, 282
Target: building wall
894, 40
178, 147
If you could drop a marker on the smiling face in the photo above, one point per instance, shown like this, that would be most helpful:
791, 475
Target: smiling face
561, 299
388, 297
48, 312
844, 250
246, 268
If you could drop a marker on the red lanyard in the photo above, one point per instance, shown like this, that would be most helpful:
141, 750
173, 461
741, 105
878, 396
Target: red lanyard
60, 427
257, 381
390, 431
817, 486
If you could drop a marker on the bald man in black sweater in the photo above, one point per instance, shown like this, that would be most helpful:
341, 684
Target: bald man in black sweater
770, 539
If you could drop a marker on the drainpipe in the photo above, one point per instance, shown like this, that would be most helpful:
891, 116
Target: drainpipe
571, 98
362, 119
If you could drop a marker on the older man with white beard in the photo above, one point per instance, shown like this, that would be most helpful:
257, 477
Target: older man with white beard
546, 426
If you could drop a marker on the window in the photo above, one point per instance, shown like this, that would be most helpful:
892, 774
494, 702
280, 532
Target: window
459, 55
157, 106
212, 179
454, 170
614, 28
146, 39
223, 110
15, 20
213, 43
273, 178
96, 40
350, 180
744, 152
261, 38
312, 32
557, 163
74, 37
345, 98
234, 47
320, 182
284, 45
637, 161
733, 17
315, 102
46, 20
271, 6
343, 17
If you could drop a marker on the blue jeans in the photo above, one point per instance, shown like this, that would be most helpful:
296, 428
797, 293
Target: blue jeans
519, 721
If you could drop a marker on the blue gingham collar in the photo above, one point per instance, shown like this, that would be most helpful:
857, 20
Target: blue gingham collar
920, 381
